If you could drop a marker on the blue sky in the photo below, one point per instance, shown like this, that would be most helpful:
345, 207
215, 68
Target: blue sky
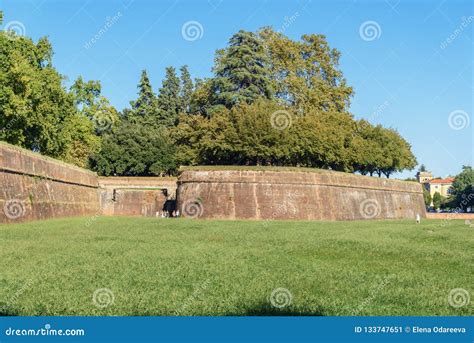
410, 62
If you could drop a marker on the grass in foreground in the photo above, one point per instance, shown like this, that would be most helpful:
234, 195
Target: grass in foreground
190, 267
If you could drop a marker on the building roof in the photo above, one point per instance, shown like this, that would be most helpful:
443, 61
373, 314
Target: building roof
445, 181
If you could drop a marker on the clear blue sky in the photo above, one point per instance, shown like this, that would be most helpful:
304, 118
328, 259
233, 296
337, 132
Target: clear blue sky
405, 73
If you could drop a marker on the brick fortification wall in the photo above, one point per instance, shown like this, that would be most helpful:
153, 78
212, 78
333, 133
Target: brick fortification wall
451, 216
302, 195
37, 187
140, 196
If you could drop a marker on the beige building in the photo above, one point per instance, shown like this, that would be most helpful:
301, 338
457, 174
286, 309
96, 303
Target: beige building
442, 186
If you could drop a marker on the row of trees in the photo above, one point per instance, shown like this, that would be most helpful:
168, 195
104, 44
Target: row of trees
271, 101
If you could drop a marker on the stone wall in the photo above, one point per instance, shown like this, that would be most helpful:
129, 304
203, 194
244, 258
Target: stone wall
291, 194
37, 187
137, 196
452, 216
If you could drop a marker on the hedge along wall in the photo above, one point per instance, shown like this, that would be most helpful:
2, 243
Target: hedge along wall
291, 193
38, 187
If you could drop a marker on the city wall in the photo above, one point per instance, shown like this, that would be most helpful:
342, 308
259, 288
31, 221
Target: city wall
287, 193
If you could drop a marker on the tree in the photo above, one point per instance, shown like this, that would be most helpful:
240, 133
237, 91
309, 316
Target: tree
427, 197
396, 153
305, 73
186, 91
241, 71
422, 168
91, 104
135, 149
251, 134
36, 111
437, 200
201, 98
365, 149
169, 101
144, 109
463, 188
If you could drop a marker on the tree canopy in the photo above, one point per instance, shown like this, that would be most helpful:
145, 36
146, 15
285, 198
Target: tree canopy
36, 111
271, 100
133, 149
463, 189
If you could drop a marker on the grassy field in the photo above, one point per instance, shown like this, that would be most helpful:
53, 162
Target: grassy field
148, 266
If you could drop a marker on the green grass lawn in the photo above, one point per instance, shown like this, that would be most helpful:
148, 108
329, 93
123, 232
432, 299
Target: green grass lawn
192, 267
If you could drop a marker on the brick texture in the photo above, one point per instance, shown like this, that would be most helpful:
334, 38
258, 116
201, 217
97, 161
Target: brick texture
319, 195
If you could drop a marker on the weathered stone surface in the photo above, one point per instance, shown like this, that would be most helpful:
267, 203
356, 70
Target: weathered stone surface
319, 195
37, 187
141, 196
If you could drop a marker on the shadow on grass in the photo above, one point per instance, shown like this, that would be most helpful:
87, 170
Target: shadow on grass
8, 311
266, 309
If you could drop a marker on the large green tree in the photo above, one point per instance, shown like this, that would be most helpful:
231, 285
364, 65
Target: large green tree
264, 133
88, 99
186, 91
241, 71
169, 101
306, 73
144, 109
36, 111
378, 150
463, 189
135, 149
